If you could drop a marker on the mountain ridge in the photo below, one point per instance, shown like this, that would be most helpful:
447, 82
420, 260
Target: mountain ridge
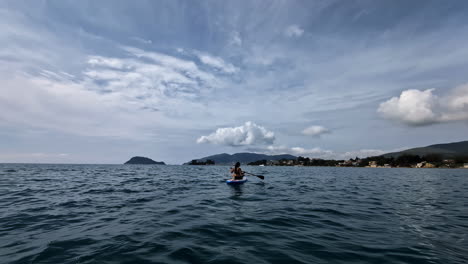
446, 150
243, 157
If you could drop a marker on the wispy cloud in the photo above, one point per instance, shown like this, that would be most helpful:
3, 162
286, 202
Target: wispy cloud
216, 62
315, 131
142, 40
235, 39
109, 91
293, 31
163, 76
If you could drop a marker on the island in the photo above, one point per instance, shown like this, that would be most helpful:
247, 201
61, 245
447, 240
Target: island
144, 161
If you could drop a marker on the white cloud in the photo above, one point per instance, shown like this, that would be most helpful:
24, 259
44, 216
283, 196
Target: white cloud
235, 40
319, 153
104, 98
142, 40
113, 94
247, 134
186, 67
298, 151
419, 108
293, 31
152, 78
315, 131
456, 104
413, 107
364, 153
106, 62
67, 106
216, 62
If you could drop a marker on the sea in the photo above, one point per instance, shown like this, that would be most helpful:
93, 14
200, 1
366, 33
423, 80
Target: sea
188, 214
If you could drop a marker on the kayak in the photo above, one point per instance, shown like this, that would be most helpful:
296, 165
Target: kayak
244, 179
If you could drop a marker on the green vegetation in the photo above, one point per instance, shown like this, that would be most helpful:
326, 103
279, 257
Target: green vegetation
431, 160
207, 162
258, 162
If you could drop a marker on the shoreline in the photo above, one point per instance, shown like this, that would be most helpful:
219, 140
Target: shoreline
220, 165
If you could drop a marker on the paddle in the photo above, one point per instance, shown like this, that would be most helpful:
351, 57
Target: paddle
259, 176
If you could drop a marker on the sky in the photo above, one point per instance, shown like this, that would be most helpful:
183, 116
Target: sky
102, 81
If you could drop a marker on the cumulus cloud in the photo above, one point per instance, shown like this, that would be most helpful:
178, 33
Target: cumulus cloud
420, 108
315, 131
412, 107
293, 31
456, 104
247, 134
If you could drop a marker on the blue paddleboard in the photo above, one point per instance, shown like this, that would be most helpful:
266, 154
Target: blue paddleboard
244, 179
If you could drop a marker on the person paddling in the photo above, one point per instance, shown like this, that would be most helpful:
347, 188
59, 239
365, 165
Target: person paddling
237, 173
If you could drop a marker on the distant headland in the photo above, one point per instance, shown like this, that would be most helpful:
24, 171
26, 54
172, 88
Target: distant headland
144, 161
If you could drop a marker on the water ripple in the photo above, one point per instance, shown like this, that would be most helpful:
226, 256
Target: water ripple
185, 214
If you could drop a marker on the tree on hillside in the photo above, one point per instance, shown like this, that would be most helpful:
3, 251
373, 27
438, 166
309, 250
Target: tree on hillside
407, 160
432, 158
258, 162
461, 159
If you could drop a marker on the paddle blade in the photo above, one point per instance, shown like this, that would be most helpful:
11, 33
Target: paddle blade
259, 176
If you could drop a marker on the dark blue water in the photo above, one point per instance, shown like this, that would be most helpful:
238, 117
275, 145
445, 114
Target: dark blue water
185, 214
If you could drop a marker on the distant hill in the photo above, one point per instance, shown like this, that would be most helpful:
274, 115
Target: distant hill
144, 161
447, 151
243, 158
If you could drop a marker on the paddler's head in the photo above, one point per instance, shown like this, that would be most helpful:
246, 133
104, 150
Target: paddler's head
237, 165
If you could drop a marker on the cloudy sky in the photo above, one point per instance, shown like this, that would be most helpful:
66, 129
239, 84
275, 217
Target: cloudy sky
101, 81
